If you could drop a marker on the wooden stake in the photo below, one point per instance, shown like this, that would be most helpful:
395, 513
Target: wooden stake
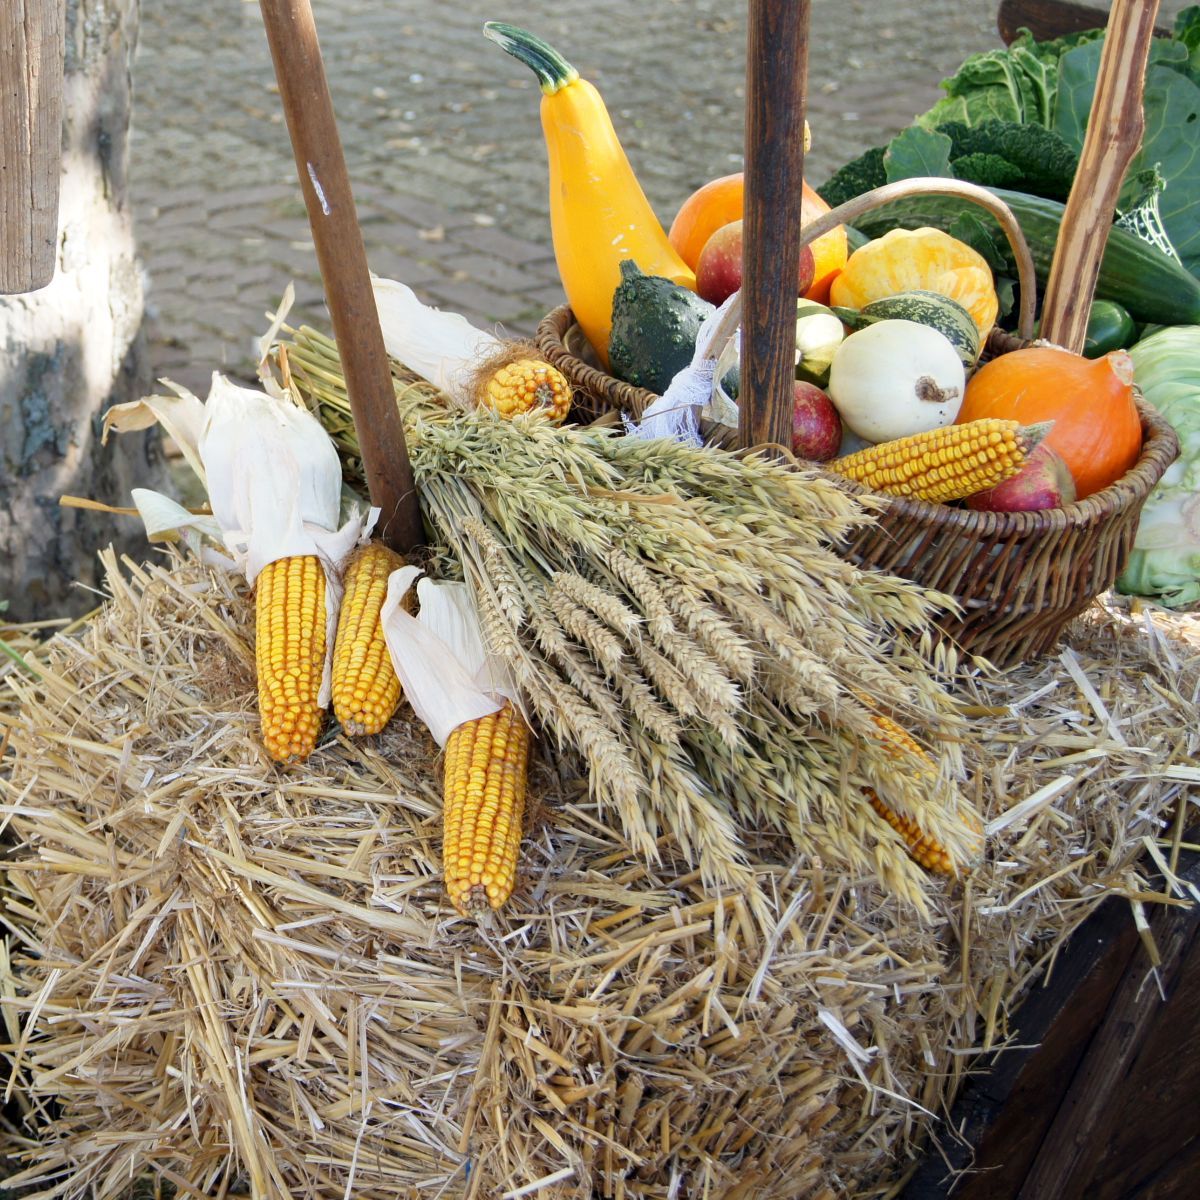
776, 72
1114, 133
325, 182
31, 87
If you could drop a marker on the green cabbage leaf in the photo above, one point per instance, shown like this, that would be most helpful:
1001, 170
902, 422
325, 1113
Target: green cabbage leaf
1165, 561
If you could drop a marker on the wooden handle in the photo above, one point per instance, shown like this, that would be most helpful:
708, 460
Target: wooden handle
846, 214
776, 69
1114, 133
325, 182
31, 87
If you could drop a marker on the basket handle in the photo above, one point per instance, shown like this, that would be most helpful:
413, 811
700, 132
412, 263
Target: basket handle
845, 214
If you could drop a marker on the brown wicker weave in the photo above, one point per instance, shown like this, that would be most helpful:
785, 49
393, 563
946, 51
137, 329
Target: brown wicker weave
1018, 577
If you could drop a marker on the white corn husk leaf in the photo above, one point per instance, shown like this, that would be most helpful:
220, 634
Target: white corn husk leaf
164, 517
274, 479
676, 413
277, 318
181, 415
442, 347
446, 672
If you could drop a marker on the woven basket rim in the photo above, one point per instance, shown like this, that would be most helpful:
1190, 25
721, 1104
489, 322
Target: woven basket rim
1160, 447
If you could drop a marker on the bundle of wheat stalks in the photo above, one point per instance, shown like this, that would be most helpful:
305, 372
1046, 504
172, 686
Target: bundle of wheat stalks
681, 617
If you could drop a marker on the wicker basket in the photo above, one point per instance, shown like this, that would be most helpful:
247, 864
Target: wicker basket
1019, 577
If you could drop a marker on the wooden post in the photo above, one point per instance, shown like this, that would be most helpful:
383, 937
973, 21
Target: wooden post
776, 72
1114, 133
325, 182
31, 87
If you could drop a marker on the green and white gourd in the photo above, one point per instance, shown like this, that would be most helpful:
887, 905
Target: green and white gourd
936, 311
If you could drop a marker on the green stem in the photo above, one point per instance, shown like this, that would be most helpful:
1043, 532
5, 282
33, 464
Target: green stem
19, 660
553, 71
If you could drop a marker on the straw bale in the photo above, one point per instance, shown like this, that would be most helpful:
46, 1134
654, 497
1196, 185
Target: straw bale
244, 980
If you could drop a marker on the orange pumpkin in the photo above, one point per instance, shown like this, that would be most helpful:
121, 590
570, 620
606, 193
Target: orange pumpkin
720, 201
1096, 428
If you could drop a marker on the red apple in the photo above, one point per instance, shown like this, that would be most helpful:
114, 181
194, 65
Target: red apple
816, 426
807, 272
719, 268
1043, 482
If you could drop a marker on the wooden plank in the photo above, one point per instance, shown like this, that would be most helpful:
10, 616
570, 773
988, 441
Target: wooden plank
1004, 1112
1047, 19
1099, 1099
1175, 1179
1140, 1139
776, 74
325, 182
31, 87
1154, 1150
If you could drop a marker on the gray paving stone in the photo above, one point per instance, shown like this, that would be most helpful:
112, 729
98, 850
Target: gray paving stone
441, 129
490, 272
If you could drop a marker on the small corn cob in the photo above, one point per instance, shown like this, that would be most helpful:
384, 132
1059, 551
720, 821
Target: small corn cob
925, 850
484, 804
290, 654
527, 385
943, 464
900, 743
366, 689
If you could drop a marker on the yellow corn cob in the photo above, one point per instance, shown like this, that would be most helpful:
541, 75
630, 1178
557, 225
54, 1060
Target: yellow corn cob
944, 464
290, 654
927, 851
484, 804
523, 386
366, 689
900, 743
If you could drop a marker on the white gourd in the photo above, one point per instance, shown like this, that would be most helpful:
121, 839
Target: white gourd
896, 378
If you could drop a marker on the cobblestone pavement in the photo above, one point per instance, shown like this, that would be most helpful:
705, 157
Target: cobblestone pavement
444, 144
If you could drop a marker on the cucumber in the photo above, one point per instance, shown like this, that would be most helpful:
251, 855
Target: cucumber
939, 312
654, 327
1150, 285
1109, 327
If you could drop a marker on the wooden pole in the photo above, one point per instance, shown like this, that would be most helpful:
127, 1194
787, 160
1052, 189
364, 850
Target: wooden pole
1114, 133
325, 182
31, 88
776, 72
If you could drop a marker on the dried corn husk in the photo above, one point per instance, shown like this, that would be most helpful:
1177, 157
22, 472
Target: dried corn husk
441, 347
272, 478
447, 675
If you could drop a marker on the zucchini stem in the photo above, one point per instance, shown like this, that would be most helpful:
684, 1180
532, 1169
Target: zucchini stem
553, 71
